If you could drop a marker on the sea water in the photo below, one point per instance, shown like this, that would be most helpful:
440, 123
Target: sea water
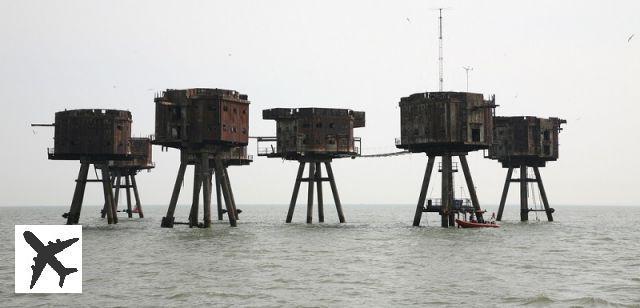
589, 256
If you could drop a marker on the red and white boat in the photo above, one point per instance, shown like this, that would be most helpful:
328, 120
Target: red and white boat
469, 224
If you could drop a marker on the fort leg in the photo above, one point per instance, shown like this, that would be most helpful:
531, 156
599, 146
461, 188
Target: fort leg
167, 221
312, 174
115, 182
219, 169
471, 187
106, 187
116, 197
505, 191
136, 195
195, 201
524, 206
206, 191
334, 190
231, 197
447, 192
128, 183
543, 194
423, 191
218, 197
318, 177
76, 203
296, 188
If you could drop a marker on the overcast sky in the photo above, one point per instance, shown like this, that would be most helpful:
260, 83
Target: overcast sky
569, 59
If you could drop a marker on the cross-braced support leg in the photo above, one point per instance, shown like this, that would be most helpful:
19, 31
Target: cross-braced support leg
318, 177
78, 195
206, 191
219, 173
296, 189
447, 192
423, 190
195, 201
543, 194
137, 196
524, 202
233, 199
128, 190
167, 221
312, 174
505, 191
471, 187
108, 196
334, 190
218, 196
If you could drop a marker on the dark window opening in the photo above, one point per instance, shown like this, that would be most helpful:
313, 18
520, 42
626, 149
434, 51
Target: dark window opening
225, 108
318, 125
305, 125
547, 150
546, 135
475, 134
330, 125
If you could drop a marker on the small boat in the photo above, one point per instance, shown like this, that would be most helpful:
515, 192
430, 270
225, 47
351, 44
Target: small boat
468, 224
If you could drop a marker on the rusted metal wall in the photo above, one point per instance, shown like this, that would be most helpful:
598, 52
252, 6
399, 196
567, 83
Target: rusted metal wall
201, 116
321, 131
446, 121
92, 133
141, 153
525, 140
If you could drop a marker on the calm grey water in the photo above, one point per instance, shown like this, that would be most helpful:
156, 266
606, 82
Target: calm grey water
589, 257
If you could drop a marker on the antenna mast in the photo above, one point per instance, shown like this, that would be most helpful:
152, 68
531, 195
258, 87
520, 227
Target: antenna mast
467, 69
440, 57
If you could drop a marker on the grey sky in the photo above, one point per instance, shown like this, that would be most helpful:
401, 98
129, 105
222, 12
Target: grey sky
569, 59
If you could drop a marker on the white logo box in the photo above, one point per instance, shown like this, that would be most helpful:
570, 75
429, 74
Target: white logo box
70, 257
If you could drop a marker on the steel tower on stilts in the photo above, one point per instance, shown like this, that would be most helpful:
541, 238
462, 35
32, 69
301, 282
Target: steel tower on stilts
128, 169
210, 127
313, 136
520, 143
92, 136
446, 124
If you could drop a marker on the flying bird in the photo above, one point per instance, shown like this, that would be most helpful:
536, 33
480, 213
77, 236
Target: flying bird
409, 20
629, 39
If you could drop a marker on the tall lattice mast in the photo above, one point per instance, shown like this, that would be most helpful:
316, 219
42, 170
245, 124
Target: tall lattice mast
440, 56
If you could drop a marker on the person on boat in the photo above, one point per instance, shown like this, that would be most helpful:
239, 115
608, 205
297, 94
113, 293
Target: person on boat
493, 218
472, 218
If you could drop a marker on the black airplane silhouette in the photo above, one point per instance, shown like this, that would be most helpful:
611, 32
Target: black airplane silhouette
46, 255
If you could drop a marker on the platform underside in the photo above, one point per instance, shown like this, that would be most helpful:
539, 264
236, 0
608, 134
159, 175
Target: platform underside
438, 149
311, 156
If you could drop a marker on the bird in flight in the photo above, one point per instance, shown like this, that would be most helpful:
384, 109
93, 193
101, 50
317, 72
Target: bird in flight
46, 255
629, 39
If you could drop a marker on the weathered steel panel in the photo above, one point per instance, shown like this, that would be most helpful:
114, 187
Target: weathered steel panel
92, 134
201, 116
439, 122
530, 141
141, 154
314, 131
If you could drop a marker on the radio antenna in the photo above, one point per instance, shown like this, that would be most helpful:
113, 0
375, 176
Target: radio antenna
440, 56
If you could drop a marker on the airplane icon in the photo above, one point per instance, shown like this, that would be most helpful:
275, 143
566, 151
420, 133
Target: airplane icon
46, 255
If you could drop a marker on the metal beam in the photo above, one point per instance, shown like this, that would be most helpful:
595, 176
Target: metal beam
294, 196
543, 194
505, 191
423, 190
